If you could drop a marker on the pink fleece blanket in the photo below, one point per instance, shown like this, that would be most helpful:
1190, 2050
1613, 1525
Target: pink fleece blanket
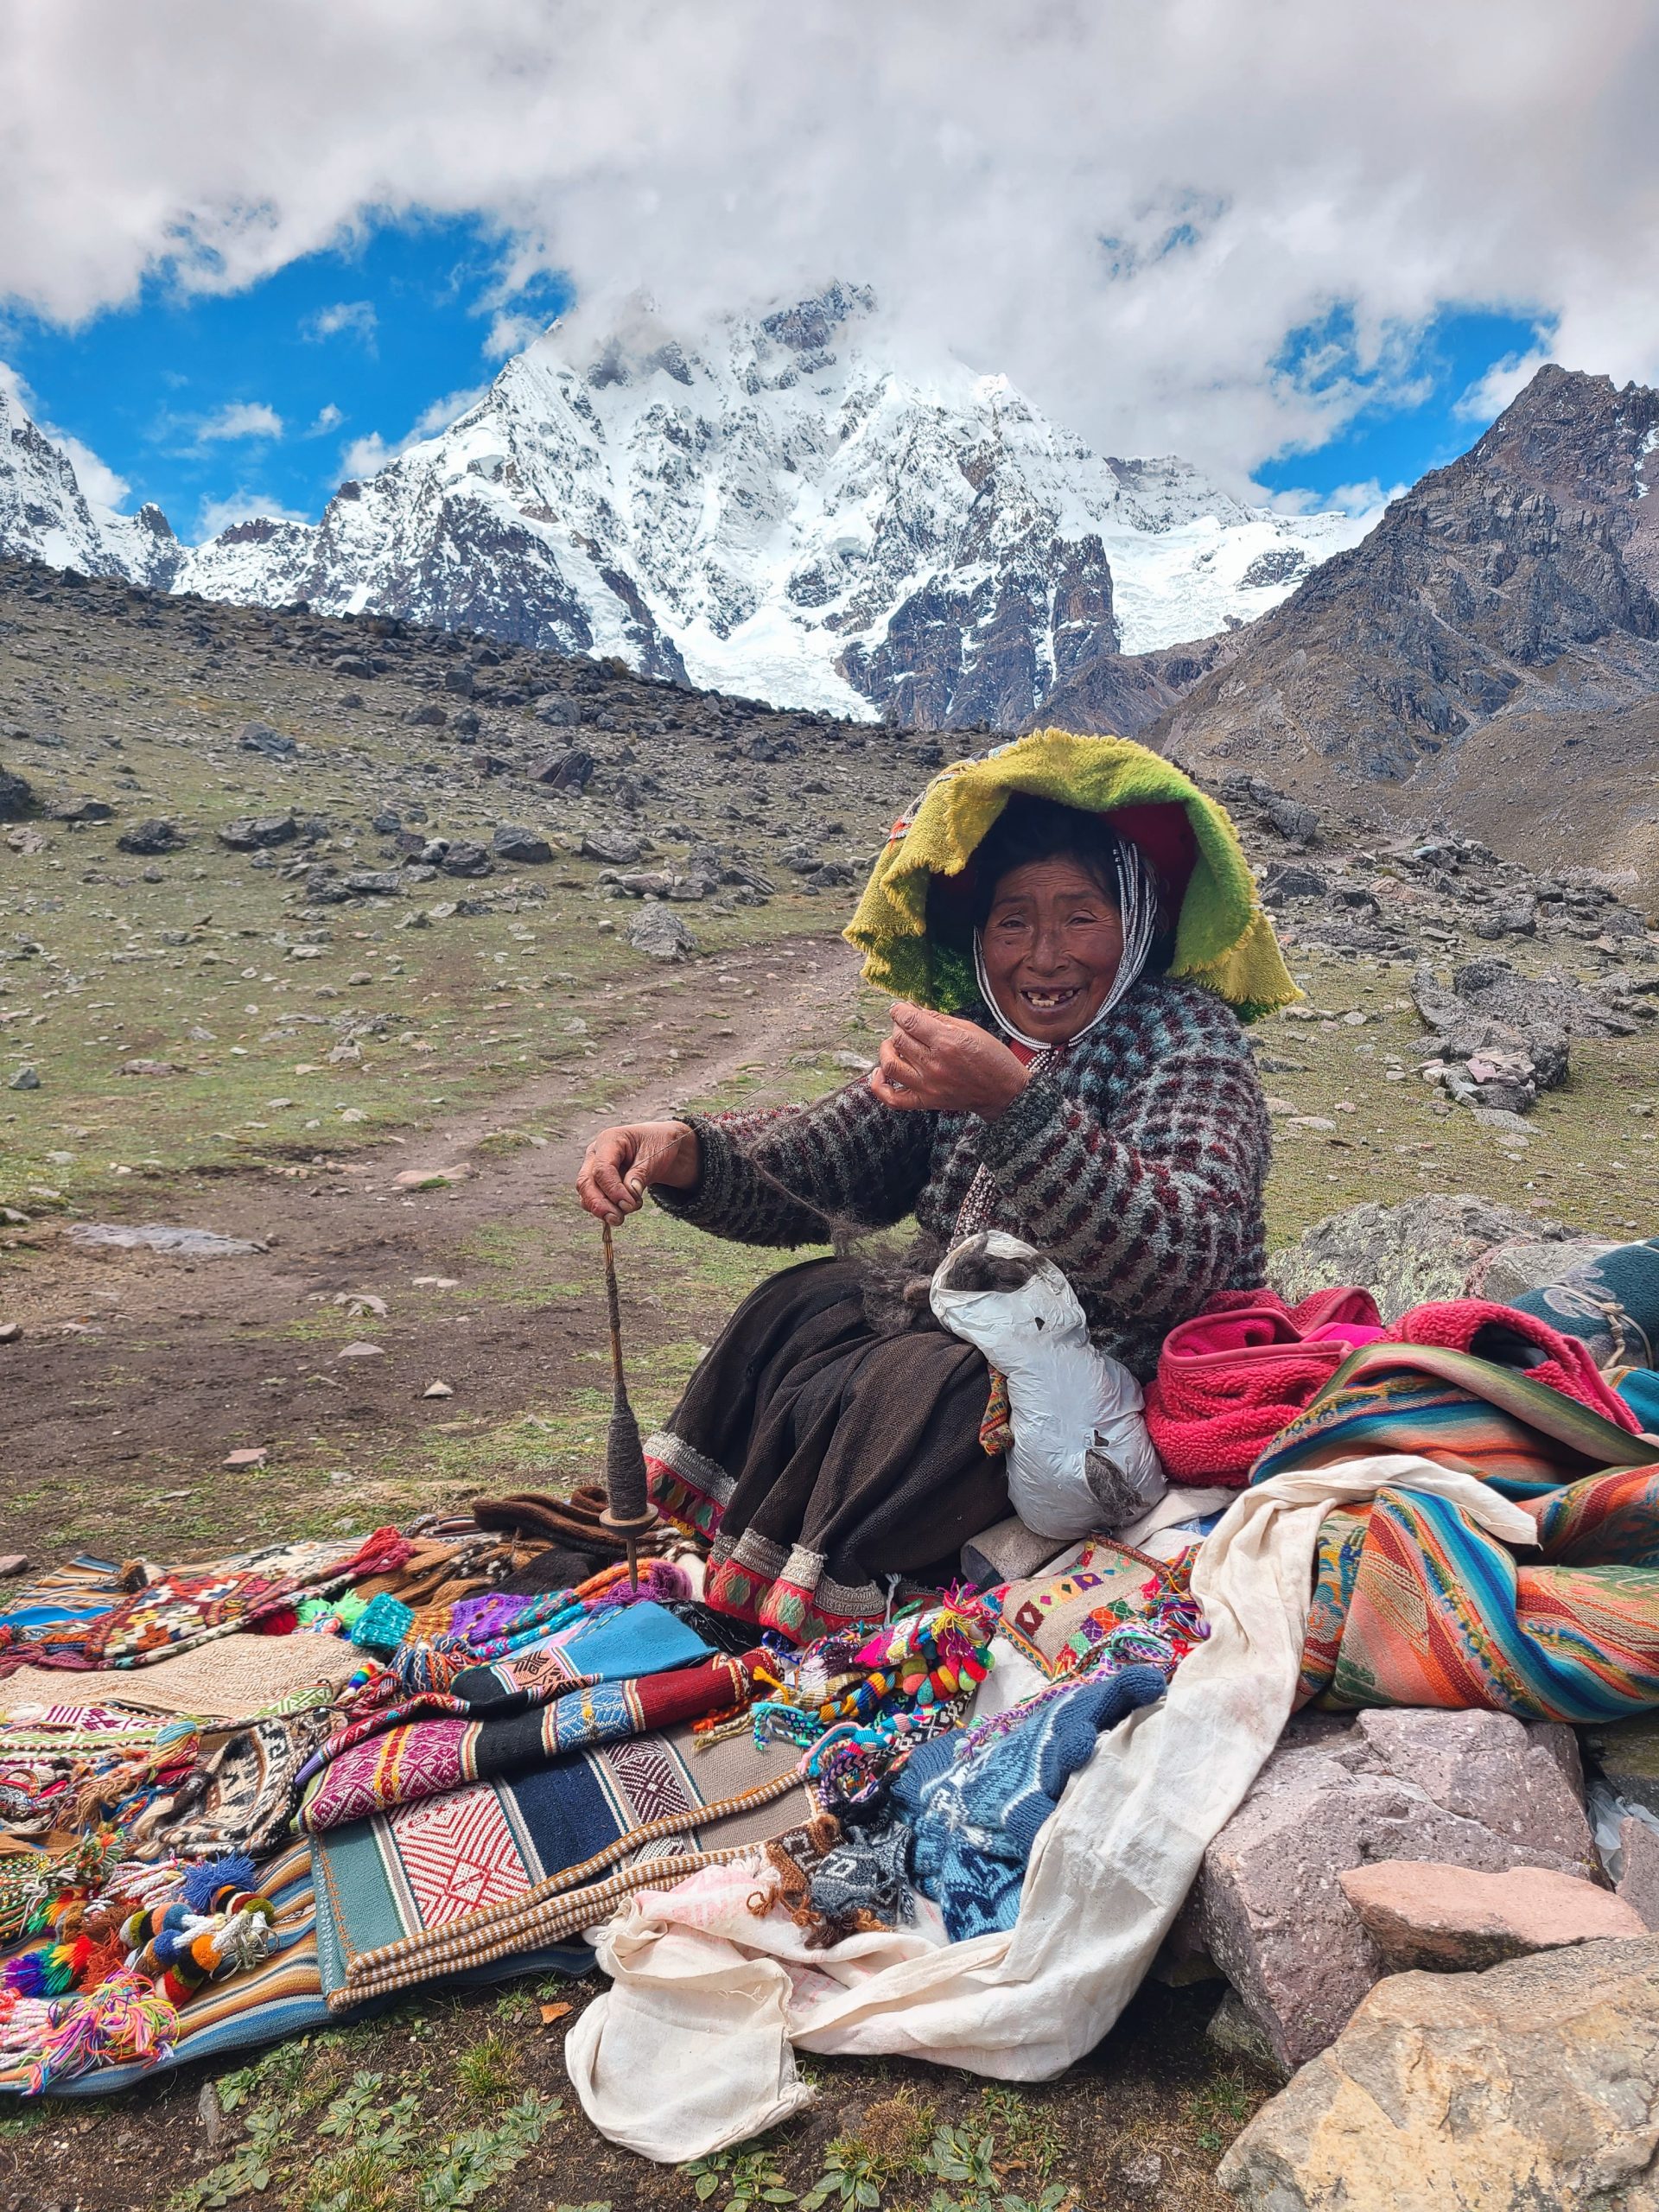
1229, 1379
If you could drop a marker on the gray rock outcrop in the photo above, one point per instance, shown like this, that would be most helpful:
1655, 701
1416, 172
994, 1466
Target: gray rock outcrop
1526, 2088
1474, 1790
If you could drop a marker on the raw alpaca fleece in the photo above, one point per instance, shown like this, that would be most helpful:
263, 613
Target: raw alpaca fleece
976, 1817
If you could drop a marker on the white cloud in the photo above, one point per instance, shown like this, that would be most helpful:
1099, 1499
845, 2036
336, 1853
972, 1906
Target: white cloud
356, 316
1489, 395
97, 479
214, 515
329, 417
367, 456
1247, 171
1366, 500
510, 332
239, 418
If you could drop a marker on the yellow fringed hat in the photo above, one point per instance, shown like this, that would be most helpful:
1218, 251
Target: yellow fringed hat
1221, 937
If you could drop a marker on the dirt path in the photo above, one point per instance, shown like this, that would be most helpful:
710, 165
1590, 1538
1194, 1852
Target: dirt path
138, 1375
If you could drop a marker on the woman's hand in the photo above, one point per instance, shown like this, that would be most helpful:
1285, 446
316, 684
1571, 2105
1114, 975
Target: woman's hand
621, 1164
934, 1063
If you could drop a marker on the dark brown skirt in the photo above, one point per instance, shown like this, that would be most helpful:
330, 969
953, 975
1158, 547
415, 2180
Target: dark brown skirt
832, 1464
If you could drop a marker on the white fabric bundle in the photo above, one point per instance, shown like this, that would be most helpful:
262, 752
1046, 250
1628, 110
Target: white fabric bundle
1080, 1459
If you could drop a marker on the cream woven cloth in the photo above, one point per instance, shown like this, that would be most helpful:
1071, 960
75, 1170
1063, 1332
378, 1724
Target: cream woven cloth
708, 2008
229, 1680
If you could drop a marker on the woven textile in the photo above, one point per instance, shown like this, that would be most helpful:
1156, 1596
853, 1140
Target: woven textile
591, 1685
1111, 1607
83, 1589
427, 1878
235, 1678
239, 1796
1459, 1411
281, 1996
1415, 1605
65, 1767
190, 1606
424, 1758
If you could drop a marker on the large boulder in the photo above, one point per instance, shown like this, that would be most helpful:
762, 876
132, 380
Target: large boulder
1446, 1918
1532, 2086
660, 934
1405, 1254
157, 835
1476, 1789
16, 796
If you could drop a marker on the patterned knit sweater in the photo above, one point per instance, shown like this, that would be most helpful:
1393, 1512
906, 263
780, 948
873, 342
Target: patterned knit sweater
1136, 1163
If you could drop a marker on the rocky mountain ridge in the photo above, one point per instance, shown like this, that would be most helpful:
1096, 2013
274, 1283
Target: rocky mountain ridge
783, 506
1519, 581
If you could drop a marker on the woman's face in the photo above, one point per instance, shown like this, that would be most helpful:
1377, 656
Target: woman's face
1051, 942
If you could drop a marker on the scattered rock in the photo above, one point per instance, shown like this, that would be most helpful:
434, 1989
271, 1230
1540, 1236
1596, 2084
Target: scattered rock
1407, 1255
1639, 1875
1531, 2087
372, 883
1284, 880
660, 934
463, 858
361, 1351
157, 835
527, 846
613, 846
1452, 1919
251, 832
429, 716
437, 1390
429, 1179
11, 1332
1477, 1790
150, 1067
566, 771
26, 1078
16, 796
80, 809
259, 737
557, 713
254, 1456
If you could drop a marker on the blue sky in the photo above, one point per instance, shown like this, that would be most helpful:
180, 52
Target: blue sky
262, 399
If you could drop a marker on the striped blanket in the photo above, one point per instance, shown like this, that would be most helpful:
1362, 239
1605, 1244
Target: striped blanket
1413, 1604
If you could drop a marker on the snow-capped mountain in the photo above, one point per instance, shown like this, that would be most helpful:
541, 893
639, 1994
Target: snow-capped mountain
45, 515
785, 508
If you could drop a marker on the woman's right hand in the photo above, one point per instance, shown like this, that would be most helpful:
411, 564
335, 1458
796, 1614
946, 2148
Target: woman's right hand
620, 1166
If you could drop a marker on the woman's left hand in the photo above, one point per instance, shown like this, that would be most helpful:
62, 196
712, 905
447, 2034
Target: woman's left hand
936, 1064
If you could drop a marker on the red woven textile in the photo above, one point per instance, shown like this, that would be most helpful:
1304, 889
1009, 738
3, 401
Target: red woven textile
1229, 1379
1565, 1363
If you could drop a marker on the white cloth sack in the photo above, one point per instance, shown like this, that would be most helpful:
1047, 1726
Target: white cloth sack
1066, 1397
690, 2049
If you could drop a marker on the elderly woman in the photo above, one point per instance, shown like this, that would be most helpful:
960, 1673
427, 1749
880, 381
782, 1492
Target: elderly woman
1068, 920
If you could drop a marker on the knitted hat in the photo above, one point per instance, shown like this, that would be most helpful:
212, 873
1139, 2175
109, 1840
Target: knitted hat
911, 922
